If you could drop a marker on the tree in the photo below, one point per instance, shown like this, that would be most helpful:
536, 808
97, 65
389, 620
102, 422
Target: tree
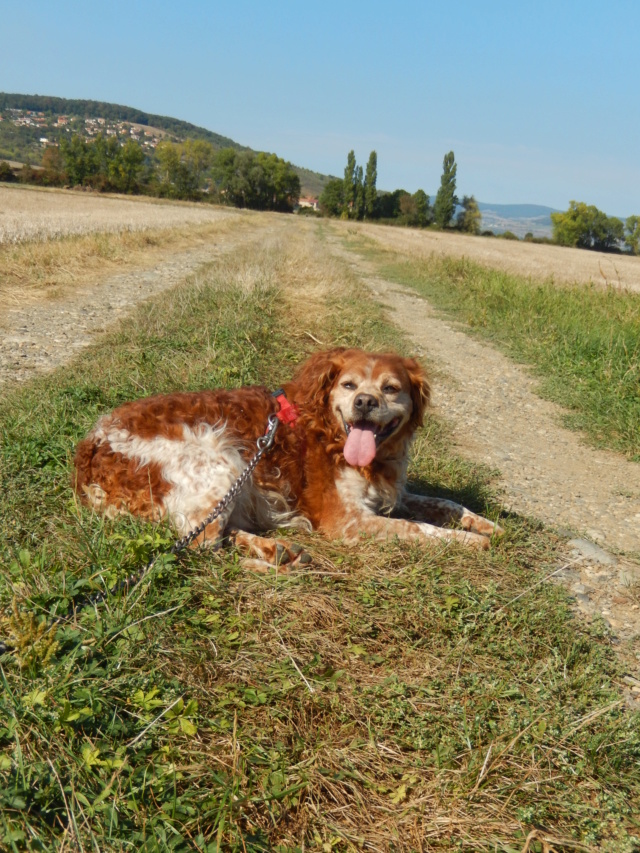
198, 156
180, 167
102, 155
279, 185
349, 191
6, 172
127, 167
53, 165
586, 227
469, 218
229, 178
259, 181
424, 214
331, 199
632, 240
358, 204
370, 191
77, 159
389, 204
408, 209
446, 199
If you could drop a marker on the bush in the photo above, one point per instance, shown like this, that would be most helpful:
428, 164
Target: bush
6, 172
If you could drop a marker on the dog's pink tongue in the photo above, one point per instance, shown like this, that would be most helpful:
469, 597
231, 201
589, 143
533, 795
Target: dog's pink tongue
360, 447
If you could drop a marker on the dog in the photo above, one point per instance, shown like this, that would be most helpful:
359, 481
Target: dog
338, 463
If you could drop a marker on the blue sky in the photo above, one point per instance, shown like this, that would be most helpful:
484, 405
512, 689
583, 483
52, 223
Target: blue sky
540, 101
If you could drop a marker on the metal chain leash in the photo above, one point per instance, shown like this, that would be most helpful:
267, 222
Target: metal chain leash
264, 444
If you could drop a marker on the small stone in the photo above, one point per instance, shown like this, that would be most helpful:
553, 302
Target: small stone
593, 552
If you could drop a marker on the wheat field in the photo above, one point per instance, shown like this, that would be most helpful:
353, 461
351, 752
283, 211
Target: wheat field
28, 214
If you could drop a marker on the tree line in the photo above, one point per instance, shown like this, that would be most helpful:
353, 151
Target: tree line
195, 170
192, 170
583, 226
355, 196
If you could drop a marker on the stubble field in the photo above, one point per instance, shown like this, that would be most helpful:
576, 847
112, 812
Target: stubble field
28, 214
54, 241
529, 260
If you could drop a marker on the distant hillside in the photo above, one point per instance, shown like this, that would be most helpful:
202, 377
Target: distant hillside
518, 218
25, 120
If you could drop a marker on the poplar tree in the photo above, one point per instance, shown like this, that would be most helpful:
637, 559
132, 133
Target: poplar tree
350, 183
445, 203
358, 207
370, 191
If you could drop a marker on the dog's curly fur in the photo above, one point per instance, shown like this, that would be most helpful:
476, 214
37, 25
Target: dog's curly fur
340, 468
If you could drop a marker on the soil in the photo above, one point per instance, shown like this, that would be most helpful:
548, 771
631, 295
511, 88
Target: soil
590, 497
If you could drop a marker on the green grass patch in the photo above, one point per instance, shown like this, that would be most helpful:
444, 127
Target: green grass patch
582, 341
394, 697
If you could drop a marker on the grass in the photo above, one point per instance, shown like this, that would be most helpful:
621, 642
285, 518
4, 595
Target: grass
582, 341
392, 698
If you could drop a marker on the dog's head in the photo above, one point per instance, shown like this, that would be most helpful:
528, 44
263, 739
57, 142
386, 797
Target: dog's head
372, 399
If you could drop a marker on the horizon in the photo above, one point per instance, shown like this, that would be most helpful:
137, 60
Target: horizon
529, 101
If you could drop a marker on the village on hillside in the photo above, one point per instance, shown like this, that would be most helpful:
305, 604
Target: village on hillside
89, 128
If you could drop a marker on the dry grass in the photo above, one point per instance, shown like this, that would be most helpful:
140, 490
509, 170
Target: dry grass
30, 214
65, 240
529, 260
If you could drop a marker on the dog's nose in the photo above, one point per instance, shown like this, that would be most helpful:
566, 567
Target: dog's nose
364, 403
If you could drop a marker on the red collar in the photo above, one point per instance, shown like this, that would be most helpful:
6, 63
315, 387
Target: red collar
288, 413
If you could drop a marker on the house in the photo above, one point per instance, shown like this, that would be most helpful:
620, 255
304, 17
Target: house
307, 201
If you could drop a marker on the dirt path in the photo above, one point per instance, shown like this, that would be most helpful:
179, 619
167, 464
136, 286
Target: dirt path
44, 334
545, 470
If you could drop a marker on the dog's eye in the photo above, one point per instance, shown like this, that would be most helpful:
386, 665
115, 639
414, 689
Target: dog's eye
350, 386
390, 389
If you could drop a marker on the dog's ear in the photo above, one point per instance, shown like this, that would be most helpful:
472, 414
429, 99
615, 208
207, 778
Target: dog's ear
420, 390
316, 375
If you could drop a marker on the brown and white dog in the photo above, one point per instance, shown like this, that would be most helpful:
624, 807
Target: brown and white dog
340, 467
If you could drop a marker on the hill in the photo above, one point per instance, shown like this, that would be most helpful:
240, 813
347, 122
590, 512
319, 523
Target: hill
518, 218
28, 123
